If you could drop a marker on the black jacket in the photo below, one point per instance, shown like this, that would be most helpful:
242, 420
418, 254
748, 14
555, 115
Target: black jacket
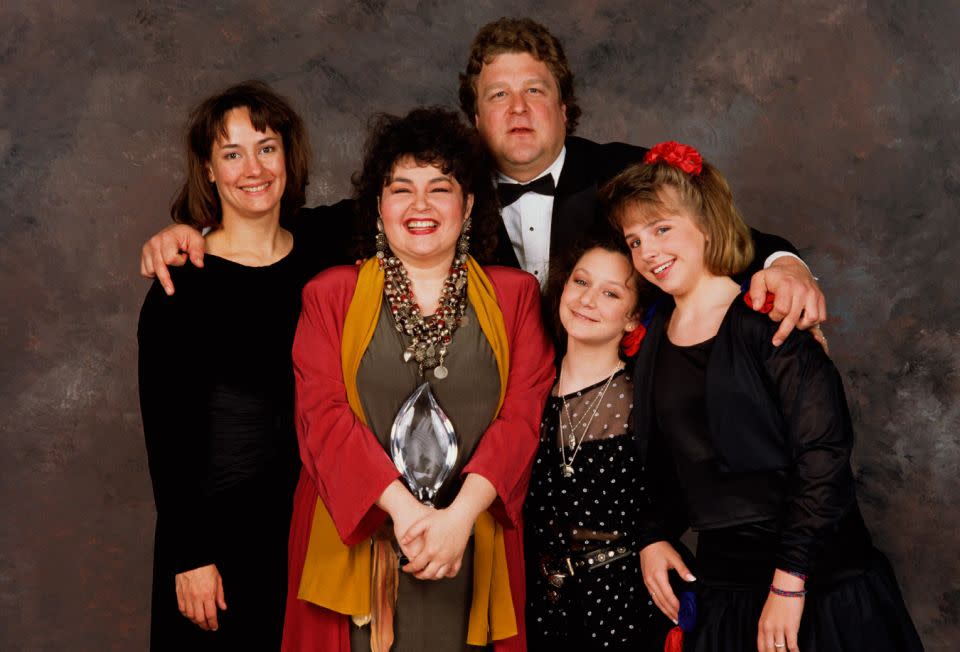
779, 410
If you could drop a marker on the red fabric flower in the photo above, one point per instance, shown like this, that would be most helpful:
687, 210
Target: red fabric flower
630, 343
678, 155
767, 303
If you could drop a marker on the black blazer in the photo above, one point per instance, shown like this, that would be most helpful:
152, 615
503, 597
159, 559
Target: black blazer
587, 166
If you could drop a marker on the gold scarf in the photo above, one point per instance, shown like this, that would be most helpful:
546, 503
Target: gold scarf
339, 577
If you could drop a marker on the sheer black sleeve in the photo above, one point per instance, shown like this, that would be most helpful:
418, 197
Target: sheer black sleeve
820, 490
170, 380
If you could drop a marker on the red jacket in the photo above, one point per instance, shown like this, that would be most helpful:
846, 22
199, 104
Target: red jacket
335, 446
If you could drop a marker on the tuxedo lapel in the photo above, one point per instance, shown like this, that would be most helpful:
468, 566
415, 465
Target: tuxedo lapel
575, 202
504, 253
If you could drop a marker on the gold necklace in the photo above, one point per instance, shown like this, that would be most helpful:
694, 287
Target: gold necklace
573, 441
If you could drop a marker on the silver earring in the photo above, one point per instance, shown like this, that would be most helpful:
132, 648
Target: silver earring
463, 244
381, 240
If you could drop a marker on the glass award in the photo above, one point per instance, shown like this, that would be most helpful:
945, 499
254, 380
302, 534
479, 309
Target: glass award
423, 444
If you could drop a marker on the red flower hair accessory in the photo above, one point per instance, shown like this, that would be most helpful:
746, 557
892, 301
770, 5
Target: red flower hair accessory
683, 157
630, 342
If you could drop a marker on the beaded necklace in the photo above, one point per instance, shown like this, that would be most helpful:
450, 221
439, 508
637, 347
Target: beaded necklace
429, 336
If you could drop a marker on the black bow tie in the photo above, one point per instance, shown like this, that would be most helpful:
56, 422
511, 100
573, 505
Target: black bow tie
511, 192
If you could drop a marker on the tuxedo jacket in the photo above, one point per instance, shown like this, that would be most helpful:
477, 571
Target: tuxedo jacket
586, 167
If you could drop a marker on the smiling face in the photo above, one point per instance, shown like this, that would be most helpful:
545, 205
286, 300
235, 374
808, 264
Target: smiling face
248, 168
599, 298
423, 211
666, 243
520, 115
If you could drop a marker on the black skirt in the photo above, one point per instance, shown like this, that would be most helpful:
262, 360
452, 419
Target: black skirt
854, 607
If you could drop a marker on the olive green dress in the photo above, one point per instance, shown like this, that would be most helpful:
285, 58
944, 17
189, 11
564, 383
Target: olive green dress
431, 614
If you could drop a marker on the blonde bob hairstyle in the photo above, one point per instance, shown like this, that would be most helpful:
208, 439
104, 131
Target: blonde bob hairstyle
638, 191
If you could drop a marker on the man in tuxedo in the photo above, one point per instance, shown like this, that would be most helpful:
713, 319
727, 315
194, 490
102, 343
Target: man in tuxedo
518, 90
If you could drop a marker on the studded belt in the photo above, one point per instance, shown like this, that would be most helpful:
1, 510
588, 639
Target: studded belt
556, 570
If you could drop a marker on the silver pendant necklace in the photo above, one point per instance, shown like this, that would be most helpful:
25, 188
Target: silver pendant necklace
572, 441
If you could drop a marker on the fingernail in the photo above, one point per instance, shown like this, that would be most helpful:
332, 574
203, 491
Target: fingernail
691, 578
675, 621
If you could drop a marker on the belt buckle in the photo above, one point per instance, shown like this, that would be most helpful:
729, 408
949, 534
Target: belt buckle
555, 580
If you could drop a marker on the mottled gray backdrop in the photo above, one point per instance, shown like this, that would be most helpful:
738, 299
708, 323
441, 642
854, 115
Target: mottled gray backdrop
836, 122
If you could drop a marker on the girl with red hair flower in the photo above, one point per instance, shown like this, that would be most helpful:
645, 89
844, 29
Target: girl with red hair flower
747, 443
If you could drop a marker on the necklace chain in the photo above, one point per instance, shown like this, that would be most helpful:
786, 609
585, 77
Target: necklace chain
429, 336
574, 442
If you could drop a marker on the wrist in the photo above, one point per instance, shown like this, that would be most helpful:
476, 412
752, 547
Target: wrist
396, 500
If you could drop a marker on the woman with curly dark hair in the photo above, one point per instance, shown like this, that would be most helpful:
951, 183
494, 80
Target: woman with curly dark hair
421, 377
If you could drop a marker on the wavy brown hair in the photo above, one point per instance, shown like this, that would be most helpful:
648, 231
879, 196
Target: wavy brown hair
197, 203
518, 35
431, 136
729, 247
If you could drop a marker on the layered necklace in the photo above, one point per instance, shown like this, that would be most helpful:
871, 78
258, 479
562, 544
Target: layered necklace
572, 440
429, 336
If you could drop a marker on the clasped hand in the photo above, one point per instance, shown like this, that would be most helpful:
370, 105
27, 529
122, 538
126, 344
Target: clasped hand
435, 543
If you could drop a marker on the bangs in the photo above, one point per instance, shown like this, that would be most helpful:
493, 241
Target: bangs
652, 205
262, 117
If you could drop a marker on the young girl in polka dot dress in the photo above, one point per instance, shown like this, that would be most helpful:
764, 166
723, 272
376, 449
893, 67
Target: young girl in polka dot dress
585, 590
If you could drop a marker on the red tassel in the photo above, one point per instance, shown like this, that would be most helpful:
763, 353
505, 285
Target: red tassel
674, 642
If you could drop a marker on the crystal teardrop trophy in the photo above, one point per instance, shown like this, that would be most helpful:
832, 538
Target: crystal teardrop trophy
423, 444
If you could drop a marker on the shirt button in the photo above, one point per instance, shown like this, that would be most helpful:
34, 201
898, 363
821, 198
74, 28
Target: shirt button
536, 272
531, 228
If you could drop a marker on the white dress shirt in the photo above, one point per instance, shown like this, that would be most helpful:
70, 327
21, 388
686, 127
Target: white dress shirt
528, 221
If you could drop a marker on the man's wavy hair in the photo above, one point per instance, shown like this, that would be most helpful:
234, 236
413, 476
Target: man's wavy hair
518, 35
431, 136
197, 202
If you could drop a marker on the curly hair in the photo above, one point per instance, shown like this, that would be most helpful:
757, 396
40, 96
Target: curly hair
197, 203
602, 236
729, 248
518, 35
432, 136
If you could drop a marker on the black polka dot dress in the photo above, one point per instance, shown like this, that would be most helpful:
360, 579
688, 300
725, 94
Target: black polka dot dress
603, 607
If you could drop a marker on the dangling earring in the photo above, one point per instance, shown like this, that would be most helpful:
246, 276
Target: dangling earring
381, 240
463, 244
